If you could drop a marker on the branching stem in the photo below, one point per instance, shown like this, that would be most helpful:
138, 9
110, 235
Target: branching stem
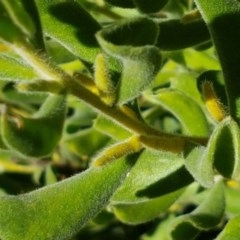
47, 70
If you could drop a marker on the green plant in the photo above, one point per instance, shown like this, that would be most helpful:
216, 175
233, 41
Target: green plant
139, 100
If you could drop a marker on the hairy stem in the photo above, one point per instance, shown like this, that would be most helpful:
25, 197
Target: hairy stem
49, 71
7, 166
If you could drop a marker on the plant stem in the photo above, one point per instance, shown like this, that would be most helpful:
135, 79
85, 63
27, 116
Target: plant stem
39, 61
223, 20
7, 166
115, 113
47, 70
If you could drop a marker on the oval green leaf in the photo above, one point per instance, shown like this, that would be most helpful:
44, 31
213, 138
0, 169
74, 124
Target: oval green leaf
39, 135
58, 211
231, 230
132, 45
66, 21
185, 109
14, 69
222, 153
206, 216
19, 17
154, 184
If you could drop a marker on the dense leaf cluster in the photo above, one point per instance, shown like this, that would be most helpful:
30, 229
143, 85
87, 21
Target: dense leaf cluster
119, 119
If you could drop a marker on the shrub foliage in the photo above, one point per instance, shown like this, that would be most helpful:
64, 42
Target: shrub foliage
119, 119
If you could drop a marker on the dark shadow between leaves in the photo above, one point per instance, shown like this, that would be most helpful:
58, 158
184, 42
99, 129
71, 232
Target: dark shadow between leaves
134, 32
120, 3
224, 153
176, 180
150, 6
131, 159
205, 221
32, 10
73, 14
175, 35
185, 231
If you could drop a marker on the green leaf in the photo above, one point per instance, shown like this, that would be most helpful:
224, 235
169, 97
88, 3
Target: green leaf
14, 69
49, 176
141, 212
38, 38
149, 176
232, 192
227, 161
60, 210
85, 142
8, 31
206, 216
110, 128
19, 17
2, 144
139, 70
161, 231
141, 63
231, 230
177, 8
185, 109
143, 6
82, 115
175, 34
199, 163
171, 69
71, 25
8, 166
36, 136
61, 55
150, 6
26, 100
222, 153
186, 83
155, 182
22, 20
201, 60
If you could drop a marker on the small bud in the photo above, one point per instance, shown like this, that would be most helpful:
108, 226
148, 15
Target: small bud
131, 145
105, 85
214, 106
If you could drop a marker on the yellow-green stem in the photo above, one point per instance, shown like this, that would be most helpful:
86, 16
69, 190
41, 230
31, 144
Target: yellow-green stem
39, 61
6, 166
49, 71
129, 146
